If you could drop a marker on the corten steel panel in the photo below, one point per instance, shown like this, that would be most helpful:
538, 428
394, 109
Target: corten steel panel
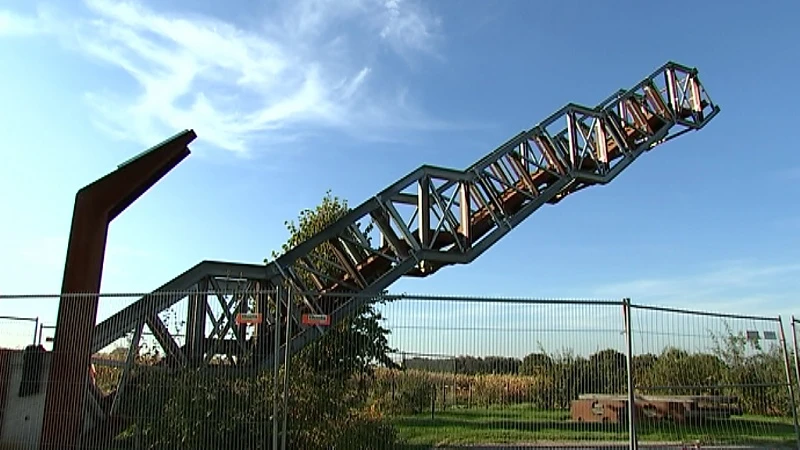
598, 411
96, 205
677, 409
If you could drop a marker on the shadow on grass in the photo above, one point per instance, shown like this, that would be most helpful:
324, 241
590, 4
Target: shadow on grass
723, 432
510, 424
723, 429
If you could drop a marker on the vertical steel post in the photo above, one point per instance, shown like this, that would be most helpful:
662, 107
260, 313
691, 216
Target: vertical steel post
424, 208
796, 361
796, 358
789, 384
287, 353
633, 439
96, 206
35, 331
196, 323
276, 348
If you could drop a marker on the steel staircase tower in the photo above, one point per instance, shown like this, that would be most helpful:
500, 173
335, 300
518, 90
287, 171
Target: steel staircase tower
455, 216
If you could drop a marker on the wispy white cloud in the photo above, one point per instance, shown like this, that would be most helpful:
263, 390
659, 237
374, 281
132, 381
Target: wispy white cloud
742, 287
407, 26
745, 287
12, 24
311, 65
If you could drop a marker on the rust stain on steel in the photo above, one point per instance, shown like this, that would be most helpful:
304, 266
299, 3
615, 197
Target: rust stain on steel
96, 205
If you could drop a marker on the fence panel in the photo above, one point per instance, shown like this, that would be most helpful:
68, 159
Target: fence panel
479, 371
710, 379
188, 376
18, 332
148, 386
191, 370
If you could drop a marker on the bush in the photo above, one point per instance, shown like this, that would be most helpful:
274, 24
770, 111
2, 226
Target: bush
735, 367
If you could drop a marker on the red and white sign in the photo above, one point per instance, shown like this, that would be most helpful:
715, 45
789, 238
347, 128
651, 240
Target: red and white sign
316, 319
248, 318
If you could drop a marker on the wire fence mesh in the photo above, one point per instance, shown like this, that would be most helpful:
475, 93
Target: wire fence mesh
711, 379
18, 332
209, 369
500, 371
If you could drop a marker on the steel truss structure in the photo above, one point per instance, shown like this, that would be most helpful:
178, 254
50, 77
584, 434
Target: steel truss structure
431, 218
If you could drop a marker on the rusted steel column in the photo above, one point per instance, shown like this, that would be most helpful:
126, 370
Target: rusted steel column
96, 205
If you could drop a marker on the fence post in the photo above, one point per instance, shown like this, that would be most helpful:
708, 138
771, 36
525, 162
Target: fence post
276, 296
633, 439
35, 331
794, 345
287, 355
789, 383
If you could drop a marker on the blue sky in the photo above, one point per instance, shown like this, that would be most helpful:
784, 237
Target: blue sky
290, 99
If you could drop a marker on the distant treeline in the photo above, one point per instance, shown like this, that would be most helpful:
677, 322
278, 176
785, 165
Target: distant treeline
499, 365
734, 366
467, 365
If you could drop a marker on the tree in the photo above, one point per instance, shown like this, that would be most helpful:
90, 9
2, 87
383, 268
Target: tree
327, 404
347, 352
755, 374
536, 363
355, 345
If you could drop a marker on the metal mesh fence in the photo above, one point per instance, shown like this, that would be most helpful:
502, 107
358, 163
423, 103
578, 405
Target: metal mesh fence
210, 370
18, 332
500, 371
711, 379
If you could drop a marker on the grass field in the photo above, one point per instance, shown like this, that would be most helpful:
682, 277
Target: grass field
519, 424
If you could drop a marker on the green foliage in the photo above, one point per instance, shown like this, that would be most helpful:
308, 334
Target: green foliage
357, 343
197, 409
735, 366
327, 405
404, 392
466, 364
328, 393
312, 221
682, 373
759, 375
536, 363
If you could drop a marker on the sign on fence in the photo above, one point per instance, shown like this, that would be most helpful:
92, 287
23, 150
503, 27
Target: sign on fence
316, 319
248, 318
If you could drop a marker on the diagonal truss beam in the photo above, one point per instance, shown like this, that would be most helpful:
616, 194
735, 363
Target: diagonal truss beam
125, 320
459, 214
434, 216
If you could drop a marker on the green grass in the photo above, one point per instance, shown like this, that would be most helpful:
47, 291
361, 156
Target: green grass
522, 424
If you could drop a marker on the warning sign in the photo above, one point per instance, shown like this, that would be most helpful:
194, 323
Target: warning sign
248, 318
316, 319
